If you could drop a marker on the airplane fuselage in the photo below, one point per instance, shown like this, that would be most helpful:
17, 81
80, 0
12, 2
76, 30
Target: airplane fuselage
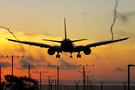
67, 45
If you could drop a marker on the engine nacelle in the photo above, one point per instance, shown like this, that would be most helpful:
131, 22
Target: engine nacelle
87, 51
51, 51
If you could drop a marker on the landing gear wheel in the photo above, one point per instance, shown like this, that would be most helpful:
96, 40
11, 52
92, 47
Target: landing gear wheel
57, 56
78, 56
71, 55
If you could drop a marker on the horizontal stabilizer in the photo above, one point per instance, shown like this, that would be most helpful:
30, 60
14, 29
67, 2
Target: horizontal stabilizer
78, 40
52, 40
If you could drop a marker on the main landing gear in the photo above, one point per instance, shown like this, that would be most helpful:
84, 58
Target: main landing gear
79, 55
58, 56
71, 55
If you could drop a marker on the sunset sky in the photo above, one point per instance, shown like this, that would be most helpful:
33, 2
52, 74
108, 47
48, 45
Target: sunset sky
34, 20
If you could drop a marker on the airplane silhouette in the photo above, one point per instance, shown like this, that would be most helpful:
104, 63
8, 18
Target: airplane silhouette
67, 45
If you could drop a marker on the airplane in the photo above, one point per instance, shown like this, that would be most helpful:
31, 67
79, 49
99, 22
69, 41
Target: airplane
67, 45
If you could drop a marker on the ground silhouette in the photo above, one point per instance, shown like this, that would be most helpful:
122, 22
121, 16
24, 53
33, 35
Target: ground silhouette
19, 83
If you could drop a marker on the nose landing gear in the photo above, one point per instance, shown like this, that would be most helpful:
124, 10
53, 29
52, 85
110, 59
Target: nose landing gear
78, 55
58, 56
71, 55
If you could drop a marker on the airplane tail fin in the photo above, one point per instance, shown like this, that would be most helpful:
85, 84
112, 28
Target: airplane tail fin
65, 36
65, 28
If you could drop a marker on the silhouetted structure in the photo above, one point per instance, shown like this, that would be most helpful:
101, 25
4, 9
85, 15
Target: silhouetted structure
76, 84
0, 74
49, 81
40, 76
129, 75
84, 80
51, 84
101, 84
28, 68
58, 66
124, 84
88, 81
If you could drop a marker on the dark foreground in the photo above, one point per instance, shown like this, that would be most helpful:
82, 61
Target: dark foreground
80, 87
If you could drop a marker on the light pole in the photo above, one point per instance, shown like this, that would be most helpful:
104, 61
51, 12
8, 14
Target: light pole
129, 75
40, 75
90, 84
58, 66
124, 84
76, 84
12, 59
88, 81
101, 84
49, 81
29, 67
84, 80
51, 84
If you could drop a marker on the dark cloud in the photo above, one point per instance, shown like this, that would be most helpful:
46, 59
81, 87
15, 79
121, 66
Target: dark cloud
68, 65
25, 61
85, 13
121, 33
34, 23
64, 65
28, 34
5, 64
21, 48
92, 15
102, 77
124, 17
30, 60
124, 33
120, 69
42, 62
99, 57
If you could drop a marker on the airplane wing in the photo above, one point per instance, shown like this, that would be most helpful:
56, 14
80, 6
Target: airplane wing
81, 47
105, 42
31, 43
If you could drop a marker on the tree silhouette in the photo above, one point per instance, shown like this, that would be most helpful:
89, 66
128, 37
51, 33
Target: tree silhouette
2, 85
20, 83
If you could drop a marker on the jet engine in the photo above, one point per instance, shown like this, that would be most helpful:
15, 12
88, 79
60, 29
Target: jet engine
87, 51
51, 51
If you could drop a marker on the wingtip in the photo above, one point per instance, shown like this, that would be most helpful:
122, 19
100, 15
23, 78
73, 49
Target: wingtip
11, 39
7, 38
128, 37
